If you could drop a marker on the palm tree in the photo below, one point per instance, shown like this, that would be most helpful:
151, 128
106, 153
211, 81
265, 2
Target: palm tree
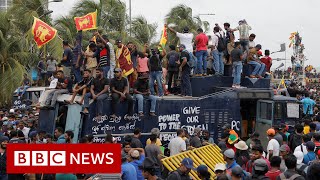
13, 58
181, 16
143, 31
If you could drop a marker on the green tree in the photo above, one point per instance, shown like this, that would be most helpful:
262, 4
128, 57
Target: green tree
13, 58
181, 16
143, 31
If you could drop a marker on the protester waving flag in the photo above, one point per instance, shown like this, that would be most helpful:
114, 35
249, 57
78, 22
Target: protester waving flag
124, 59
42, 32
86, 22
164, 37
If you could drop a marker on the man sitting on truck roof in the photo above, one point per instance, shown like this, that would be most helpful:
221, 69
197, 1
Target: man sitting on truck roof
120, 92
64, 85
81, 87
98, 92
141, 90
26, 83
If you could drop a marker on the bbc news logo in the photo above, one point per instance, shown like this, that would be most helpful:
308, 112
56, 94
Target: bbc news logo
63, 158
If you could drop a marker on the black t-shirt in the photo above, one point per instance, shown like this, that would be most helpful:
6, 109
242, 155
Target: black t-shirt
67, 52
184, 54
235, 54
119, 85
155, 62
66, 81
99, 84
141, 85
86, 81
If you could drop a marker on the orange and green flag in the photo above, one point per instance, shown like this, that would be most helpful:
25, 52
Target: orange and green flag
87, 22
164, 37
42, 32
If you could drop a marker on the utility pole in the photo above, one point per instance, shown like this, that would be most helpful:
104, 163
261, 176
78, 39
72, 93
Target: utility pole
130, 15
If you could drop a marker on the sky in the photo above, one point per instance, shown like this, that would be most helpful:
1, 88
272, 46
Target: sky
271, 20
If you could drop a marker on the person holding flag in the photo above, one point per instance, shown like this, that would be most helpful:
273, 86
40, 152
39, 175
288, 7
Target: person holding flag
123, 59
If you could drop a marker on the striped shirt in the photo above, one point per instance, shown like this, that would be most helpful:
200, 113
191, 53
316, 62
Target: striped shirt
104, 60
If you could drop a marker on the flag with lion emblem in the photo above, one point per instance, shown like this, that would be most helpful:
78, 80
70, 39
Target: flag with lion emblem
42, 32
87, 22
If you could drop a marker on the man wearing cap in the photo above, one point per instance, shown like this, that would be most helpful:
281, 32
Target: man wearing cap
220, 169
236, 173
254, 60
185, 71
202, 172
273, 145
3, 157
149, 169
184, 38
141, 91
120, 92
136, 158
182, 173
260, 169
128, 171
284, 151
98, 92
228, 156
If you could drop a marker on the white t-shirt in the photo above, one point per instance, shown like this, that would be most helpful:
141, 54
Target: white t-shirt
304, 149
186, 39
252, 44
274, 146
176, 146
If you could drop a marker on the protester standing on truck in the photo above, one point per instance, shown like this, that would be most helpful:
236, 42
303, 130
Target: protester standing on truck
185, 71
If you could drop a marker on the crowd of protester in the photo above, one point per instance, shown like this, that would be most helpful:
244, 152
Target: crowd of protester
165, 73
97, 75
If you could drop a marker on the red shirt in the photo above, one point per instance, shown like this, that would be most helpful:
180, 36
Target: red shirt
268, 62
273, 174
202, 41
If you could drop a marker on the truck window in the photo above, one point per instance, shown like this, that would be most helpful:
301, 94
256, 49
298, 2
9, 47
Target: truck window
278, 109
265, 110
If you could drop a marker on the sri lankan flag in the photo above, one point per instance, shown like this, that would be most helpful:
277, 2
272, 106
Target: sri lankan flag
42, 32
164, 37
124, 60
86, 22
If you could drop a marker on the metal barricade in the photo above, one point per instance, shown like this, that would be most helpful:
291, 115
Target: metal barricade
207, 155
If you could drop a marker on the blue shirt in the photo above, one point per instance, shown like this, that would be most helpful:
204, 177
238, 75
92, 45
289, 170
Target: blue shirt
136, 164
128, 171
61, 139
310, 156
308, 105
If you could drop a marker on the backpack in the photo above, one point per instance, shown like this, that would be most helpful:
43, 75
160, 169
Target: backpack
283, 177
295, 141
191, 63
221, 44
301, 169
172, 60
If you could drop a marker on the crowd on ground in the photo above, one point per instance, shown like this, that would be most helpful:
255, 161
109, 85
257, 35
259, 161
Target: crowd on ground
294, 155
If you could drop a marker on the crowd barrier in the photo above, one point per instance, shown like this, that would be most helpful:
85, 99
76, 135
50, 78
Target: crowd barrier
208, 155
